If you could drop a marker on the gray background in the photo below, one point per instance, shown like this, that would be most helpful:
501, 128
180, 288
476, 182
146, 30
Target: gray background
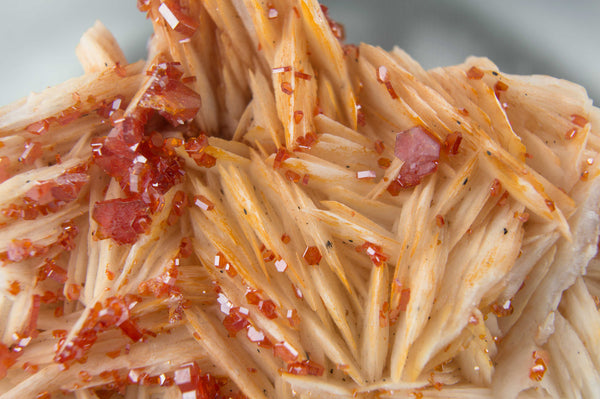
559, 38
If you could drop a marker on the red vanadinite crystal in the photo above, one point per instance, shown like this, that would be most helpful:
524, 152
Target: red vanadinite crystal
177, 17
31, 152
439, 220
58, 334
391, 91
39, 127
286, 87
30, 368
116, 153
252, 297
51, 195
383, 77
207, 161
121, 219
203, 203
19, 250
285, 352
384, 163
115, 313
106, 108
495, 188
281, 69
292, 176
537, 371
195, 386
302, 75
131, 329
49, 297
280, 157
235, 321
579, 120
379, 146
51, 270
305, 367
268, 255
195, 146
475, 73
187, 376
69, 115
162, 285
500, 87
293, 318
420, 152
394, 188
178, 205
571, 133
374, 252
14, 287
72, 292
66, 239
298, 115
173, 100
452, 143
312, 255
268, 308
306, 142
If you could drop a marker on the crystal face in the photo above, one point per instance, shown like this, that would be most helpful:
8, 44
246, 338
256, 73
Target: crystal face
420, 152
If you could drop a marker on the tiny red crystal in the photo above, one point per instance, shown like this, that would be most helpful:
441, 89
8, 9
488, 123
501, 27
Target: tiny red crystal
305, 367
452, 143
298, 115
312, 255
31, 152
286, 87
579, 120
177, 18
292, 176
475, 73
268, 308
39, 127
235, 321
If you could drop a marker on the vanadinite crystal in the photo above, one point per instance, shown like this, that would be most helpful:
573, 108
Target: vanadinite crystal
114, 313
121, 219
194, 385
169, 96
177, 18
312, 255
65, 188
420, 152
305, 367
235, 321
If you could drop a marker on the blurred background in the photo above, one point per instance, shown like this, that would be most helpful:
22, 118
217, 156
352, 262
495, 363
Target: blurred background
552, 37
